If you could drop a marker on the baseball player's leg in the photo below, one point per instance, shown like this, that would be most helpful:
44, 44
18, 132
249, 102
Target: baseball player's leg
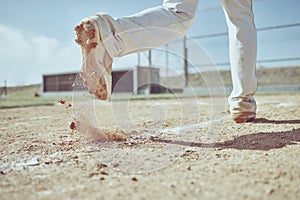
243, 49
147, 29
103, 38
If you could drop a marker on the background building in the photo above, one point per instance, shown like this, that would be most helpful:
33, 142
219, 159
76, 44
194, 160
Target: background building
138, 80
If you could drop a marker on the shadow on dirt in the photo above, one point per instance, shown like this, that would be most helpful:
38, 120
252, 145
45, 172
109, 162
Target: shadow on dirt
262, 141
257, 141
267, 121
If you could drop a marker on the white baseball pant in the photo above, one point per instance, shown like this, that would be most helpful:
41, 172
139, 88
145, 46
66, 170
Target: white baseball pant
159, 25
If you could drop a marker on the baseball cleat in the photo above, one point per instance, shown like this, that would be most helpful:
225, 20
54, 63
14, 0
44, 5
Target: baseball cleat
96, 62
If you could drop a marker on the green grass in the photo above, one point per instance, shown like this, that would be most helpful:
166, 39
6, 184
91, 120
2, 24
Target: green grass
26, 102
25, 97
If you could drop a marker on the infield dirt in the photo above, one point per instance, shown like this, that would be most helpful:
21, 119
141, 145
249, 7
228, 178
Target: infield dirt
42, 158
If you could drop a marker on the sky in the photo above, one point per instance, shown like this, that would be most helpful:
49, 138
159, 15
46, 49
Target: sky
37, 37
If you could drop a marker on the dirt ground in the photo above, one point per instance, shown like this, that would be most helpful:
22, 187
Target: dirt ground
171, 150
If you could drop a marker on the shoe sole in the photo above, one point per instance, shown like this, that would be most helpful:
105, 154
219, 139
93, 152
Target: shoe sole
243, 117
88, 39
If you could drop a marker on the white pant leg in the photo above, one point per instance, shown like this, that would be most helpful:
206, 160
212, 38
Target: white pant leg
243, 49
148, 29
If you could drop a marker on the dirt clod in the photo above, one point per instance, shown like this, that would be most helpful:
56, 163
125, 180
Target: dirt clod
93, 174
73, 126
101, 165
62, 101
117, 135
104, 173
134, 179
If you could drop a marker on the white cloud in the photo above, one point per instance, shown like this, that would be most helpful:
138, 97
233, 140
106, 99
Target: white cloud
25, 57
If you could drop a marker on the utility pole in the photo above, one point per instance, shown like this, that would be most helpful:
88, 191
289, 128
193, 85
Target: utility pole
150, 63
186, 73
5, 88
150, 57
167, 65
139, 59
150, 70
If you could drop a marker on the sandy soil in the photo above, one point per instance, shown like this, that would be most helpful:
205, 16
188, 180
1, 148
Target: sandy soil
41, 158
